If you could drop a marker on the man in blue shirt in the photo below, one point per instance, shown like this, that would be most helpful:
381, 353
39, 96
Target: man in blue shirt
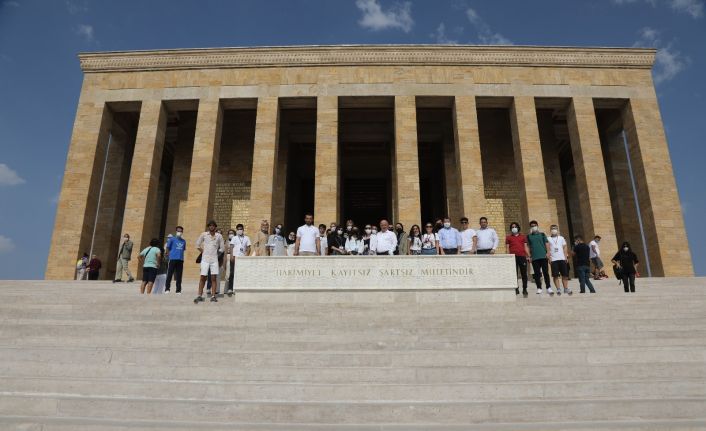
175, 251
449, 238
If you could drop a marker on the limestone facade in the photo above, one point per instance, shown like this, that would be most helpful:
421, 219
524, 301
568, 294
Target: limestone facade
195, 134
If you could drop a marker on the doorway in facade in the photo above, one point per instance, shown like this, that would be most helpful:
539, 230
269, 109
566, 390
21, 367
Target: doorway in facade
366, 146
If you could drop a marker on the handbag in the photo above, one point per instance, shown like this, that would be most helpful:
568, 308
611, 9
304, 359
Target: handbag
198, 258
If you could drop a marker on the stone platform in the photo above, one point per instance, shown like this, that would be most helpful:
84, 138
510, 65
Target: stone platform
96, 356
376, 278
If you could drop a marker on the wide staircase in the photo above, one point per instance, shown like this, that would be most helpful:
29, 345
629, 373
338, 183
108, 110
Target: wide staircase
98, 356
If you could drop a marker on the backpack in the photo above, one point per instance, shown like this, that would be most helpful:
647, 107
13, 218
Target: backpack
618, 271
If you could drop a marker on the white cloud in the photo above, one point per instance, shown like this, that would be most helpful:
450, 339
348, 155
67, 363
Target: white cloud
10, 3
695, 8
398, 15
76, 6
486, 35
440, 36
6, 244
8, 177
85, 31
668, 61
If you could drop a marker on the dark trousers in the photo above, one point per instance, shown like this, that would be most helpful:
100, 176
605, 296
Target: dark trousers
486, 251
176, 269
451, 251
584, 276
93, 275
629, 282
230, 276
541, 266
521, 263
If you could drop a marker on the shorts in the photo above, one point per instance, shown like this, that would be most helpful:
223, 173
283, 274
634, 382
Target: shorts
149, 274
205, 266
560, 268
597, 262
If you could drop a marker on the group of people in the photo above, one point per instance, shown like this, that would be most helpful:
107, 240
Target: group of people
534, 250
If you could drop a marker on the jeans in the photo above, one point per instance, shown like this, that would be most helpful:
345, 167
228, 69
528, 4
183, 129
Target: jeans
541, 266
230, 275
429, 251
121, 266
629, 282
176, 268
521, 263
450, 250
584, 274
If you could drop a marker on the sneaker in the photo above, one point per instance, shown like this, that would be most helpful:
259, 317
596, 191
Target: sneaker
524, 293
117, 281
539, 291
214, 299
178, 293
131, 280
558, 291
166, 292
517, 291
568, 291
230, 292
198, 299
550, 291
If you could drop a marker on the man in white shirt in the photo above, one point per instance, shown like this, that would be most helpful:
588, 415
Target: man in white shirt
308, 242
210, 244
595, 255
486, 238
557, 254
468, 238
385, 240
240, 244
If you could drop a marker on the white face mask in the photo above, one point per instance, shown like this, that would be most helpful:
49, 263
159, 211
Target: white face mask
178, 234
534, 228
349, 227
625, 249
555, 231
240, 232
447, 225
340, 231
375, 231
514, 230
230, 236
368, 231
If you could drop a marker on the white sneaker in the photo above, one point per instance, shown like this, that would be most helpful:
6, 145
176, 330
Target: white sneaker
550, 291
178, 293
568, 291
166, 292
539, 291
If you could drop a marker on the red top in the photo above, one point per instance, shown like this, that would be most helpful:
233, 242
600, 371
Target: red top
517, 244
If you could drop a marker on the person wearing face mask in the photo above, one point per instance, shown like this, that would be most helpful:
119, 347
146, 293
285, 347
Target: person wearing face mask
337, 242
354, 245
516, 243
330, 235
558, 255
323, 240
124, 255
276, 244
240, 244
449, 238
231, 262
598, 272
402, 240
373, 240
539, 255
261, 239
175, 251
367, 234
349, 229
438, 224
626, 260
291, 242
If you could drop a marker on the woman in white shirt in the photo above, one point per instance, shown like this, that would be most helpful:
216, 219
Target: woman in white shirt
430, 241
415, 240
276, 243
354, 245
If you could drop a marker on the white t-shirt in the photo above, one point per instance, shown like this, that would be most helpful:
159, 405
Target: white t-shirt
239, 245
593, 244
307, 238
556, 247
323, 243
415, 243
467, 239
429, 241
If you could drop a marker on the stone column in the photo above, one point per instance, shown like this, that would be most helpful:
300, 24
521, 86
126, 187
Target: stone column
140, 204
326, 179
76, 209
264, 156
469, 162
658, 198
406, 162
529, 165
179, 188
202, 179
591, 182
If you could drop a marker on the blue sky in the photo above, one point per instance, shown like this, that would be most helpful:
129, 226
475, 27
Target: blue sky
40, 76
